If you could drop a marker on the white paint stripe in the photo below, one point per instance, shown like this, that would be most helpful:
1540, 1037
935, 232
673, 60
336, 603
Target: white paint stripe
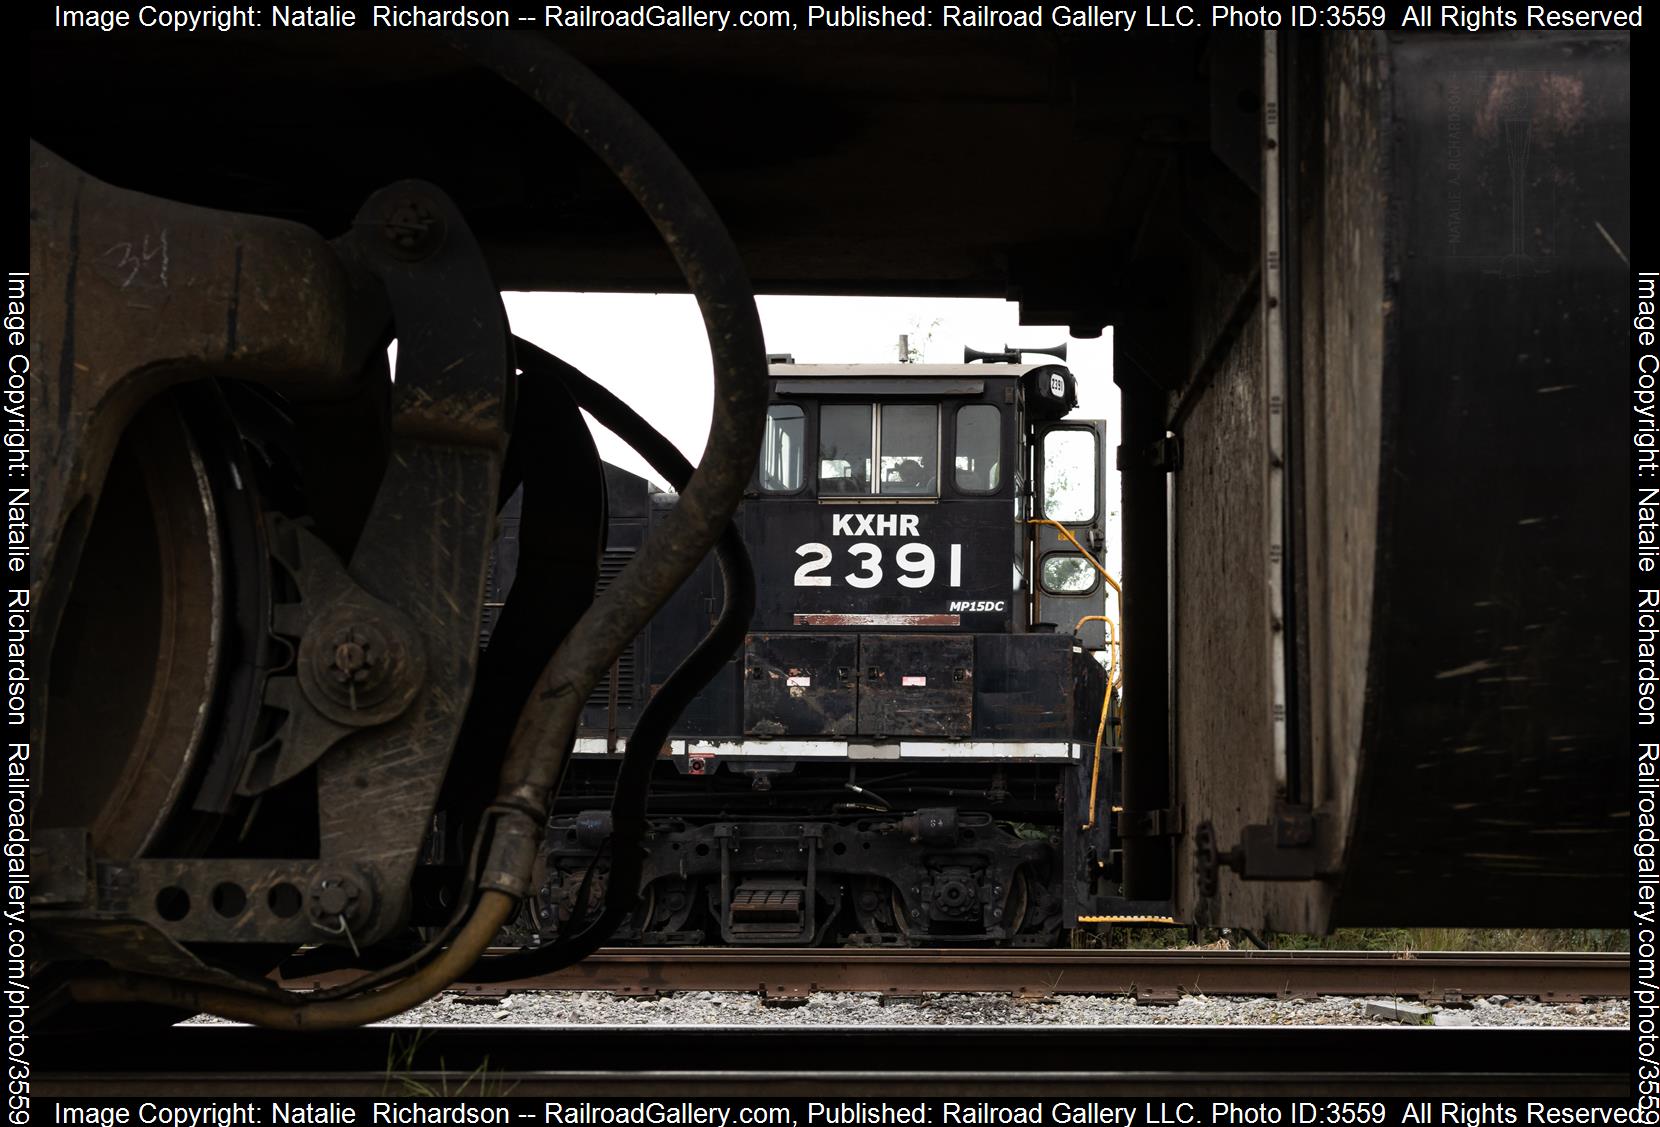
845, 749
878, 620
904, 749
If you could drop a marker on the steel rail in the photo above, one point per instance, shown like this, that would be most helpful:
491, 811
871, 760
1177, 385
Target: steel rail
1149, 976
872, 1061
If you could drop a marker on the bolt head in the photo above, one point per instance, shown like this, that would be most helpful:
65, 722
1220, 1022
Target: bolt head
412, 229
350, 656
332, 897
355, 663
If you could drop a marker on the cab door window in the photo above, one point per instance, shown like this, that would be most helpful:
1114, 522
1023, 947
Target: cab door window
1067, 573
1069, 475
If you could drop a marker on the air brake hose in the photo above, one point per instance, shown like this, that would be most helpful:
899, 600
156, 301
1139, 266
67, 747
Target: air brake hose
542, 738
704, 251
277, 1012
628, 803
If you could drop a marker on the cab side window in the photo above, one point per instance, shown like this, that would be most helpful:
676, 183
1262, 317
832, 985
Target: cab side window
979, 466
891, 449
909, 442
845, 439
783, 449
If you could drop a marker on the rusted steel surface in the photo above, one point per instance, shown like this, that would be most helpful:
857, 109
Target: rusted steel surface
1150, 976
139, 294
145, 293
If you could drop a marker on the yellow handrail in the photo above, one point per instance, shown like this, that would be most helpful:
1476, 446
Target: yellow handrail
1106, 704
1067, 532
1118, 624
1114, 628
1112, 643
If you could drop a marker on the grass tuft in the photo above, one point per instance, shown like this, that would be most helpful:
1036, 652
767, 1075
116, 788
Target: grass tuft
1364, 939
401, 1051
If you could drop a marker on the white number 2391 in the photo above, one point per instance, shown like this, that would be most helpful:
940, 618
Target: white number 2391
915, 562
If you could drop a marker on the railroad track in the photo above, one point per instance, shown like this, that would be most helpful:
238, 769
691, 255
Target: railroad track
891, 1062
1151, 977
649, 1062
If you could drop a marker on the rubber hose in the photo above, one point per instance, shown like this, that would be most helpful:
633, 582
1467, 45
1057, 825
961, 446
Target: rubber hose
704, 251
700, 666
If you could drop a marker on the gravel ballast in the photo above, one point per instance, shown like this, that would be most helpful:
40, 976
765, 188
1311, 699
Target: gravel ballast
709, 1008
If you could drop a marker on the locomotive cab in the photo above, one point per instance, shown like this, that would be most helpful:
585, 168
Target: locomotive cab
907, 746
896, 603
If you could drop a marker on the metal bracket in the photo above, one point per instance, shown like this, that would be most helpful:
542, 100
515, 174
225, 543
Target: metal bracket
388, 641
360, 662
1167, 822
1290, 846
140, 305
217, 900
62, 862
1164, 454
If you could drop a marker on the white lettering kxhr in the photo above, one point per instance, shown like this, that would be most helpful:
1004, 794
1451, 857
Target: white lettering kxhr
873, 524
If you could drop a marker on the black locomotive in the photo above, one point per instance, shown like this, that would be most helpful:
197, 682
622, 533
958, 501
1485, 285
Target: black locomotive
914, 743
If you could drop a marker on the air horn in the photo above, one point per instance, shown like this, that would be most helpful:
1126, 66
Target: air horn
1011, 355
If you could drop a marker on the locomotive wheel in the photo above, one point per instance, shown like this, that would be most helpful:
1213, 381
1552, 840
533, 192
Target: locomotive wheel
666, 906
1033, 912
141, 645
902, 921
1018, 902
878, 909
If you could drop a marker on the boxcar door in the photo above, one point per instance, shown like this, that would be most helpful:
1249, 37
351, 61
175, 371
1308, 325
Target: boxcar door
1068, 486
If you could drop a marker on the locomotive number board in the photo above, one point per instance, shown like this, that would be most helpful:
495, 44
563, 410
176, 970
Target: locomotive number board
948, 565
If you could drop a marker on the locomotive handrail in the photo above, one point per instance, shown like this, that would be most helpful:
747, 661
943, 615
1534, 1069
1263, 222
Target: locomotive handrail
1106, 705
1093, 562
1112, 644
1118, 624
1114, 630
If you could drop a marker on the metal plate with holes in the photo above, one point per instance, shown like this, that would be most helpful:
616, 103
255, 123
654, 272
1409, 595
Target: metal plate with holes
225, 901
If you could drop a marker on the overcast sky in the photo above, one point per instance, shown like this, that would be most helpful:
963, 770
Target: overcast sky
650, 350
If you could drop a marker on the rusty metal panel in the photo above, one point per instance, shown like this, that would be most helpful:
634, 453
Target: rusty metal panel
1018, 688
800, 684
1494, 739
916, 685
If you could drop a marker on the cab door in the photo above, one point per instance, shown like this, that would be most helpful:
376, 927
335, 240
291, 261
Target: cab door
1069, 487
